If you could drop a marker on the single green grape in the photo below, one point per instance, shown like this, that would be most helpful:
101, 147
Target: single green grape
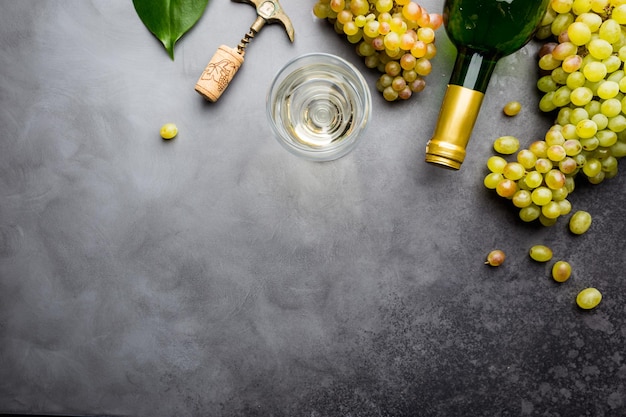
540, 253
561, 271
580, 222
588, 298
512, 108
526, 158
554, 179
514, 171
593, 167
506, 145
543, 165
506, 188
533, 179
565, 206
492, 180
496, 163
495, 257
547, 221
169, 131
541, 195
579, 33
522, 198
552, 210
530, 213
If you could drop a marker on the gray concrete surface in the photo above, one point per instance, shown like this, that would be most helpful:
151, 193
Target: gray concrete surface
218, 275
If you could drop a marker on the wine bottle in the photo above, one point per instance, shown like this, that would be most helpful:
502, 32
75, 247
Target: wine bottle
483, 32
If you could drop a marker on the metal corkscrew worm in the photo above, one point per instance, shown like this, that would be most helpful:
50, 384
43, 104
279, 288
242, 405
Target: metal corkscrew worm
226, 61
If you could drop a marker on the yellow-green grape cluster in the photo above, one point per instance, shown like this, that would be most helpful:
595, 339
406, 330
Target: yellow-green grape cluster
537, 179
584, 81
396, 37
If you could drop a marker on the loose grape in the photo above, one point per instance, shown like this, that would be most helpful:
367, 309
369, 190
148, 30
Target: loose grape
561, 271
169, 131
495, 258
540, 253
588, 298
580, 222
512, 108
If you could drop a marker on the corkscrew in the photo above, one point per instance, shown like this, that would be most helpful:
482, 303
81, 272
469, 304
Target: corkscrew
226, 61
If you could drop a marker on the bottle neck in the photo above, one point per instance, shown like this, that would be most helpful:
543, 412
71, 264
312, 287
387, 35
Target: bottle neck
473, 69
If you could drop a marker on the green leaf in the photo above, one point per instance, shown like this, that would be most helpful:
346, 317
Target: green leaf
169, 20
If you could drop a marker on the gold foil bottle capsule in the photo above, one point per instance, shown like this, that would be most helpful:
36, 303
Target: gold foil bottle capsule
457, 117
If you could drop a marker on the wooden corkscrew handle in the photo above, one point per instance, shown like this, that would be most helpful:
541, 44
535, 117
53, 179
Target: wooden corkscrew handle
219, 72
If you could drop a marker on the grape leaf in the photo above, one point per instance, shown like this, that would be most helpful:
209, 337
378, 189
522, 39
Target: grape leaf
169, 20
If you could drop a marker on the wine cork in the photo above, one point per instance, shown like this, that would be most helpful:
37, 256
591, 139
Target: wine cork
219, 72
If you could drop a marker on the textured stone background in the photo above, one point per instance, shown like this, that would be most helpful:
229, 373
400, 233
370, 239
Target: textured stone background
218, 275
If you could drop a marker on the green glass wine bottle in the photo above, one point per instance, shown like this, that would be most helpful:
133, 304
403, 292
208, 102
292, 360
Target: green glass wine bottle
483, 31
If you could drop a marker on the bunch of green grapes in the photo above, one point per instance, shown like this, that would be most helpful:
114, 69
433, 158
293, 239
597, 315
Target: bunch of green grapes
584, 82
396, 37
540, 177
